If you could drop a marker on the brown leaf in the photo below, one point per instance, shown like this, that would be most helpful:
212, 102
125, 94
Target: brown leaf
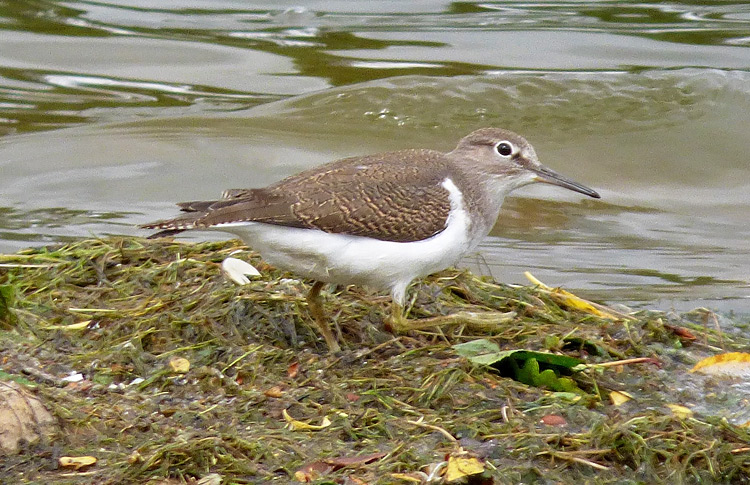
682, 333
274, 391
292, 370
312, 471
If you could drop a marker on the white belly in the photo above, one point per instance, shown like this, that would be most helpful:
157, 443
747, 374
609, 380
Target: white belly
346, 259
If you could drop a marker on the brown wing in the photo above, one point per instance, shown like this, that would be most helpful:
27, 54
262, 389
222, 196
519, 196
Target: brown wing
394, 196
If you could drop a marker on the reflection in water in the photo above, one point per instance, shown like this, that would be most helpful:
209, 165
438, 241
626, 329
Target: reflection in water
38, 100
20, 229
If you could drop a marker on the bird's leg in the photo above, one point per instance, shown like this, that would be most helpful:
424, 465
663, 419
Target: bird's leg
315, 303
398, 319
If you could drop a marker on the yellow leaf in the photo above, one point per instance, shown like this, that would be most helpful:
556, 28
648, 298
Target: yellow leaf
76, 462
275, 391
732, 364
135, 457
618, 398
408, 477
460, 467
300, 426
680, 411
179, 365
570, 300
73, 326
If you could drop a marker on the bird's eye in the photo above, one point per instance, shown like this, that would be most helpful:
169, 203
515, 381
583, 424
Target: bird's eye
504, 148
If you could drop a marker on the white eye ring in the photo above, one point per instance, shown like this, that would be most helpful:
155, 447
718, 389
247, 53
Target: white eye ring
505, 149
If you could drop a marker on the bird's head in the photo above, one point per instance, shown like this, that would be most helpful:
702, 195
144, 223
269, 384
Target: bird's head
510, 161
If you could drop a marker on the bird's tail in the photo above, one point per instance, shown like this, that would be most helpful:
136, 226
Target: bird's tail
170, 227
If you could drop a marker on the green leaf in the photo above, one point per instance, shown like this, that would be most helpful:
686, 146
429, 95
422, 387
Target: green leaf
476, 347
557, 360
484, 352
538, 369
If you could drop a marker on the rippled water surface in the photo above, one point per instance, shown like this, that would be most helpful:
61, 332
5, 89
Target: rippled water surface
110, 111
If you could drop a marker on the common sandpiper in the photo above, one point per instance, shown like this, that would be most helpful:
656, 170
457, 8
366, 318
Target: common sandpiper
379, 220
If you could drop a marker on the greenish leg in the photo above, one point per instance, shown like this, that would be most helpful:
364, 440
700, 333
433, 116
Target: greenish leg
315, 303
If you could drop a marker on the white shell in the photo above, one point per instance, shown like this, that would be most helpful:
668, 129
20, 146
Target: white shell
238, 270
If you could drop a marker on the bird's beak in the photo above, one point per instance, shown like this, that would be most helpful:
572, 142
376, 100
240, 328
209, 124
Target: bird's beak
545, 175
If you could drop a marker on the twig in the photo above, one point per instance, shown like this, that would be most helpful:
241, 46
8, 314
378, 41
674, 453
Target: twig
637, 360
434, 428
565, 456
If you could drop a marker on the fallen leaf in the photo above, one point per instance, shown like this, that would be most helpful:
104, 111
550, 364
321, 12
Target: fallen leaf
539, 369
409, 477
302, 426
618, 398
179, 365
572, 301
681, 332
732, 364
484, 352
460, 467
76, 462
274, 391
292, 370
135, 457
73, 326
680, 412
312, 471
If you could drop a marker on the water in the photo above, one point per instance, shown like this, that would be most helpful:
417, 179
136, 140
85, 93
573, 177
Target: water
111, 111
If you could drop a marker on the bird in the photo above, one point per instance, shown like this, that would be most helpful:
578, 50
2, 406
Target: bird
380, 220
